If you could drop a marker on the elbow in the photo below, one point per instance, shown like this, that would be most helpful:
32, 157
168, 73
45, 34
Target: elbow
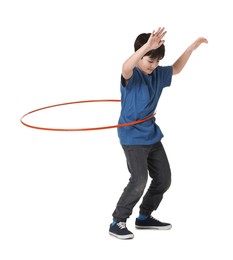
175, 70
126, 72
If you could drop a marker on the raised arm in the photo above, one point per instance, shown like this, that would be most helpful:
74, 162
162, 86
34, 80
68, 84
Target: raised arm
182, 60
154, 42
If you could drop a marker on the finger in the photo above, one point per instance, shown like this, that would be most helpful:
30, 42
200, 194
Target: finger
161, 42
202, 39
153, 33
205, 40
157, 30
160, 31
162, 35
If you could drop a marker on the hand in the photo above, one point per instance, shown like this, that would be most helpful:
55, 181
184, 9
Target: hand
197, 43
156, 38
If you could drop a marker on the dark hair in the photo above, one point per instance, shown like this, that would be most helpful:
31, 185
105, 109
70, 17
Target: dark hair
153, 54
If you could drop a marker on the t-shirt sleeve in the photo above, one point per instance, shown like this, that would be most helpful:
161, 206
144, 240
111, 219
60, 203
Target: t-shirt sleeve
130, 82
166, 76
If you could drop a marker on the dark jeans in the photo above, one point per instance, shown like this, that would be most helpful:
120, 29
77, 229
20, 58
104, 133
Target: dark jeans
141, 160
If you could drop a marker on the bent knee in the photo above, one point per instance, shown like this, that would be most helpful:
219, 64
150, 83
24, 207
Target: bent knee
139, 185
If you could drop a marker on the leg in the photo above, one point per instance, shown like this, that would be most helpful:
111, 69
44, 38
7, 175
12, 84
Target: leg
136, 157
159, 171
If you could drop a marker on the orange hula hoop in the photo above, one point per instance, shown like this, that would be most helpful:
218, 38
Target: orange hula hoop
82, 129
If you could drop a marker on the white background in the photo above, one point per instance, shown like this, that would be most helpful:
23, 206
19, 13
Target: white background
59, 189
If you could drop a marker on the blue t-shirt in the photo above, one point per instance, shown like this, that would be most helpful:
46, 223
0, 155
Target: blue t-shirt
139, 99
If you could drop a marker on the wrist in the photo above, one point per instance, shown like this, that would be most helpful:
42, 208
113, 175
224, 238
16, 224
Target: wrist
146, 47
191, 48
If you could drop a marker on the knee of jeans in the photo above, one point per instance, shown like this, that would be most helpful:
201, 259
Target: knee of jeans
161, 187
167, 185
140, 186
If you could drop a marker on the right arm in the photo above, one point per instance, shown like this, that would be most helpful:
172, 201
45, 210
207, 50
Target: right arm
154, 42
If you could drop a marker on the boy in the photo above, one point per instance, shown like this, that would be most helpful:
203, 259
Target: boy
142, 82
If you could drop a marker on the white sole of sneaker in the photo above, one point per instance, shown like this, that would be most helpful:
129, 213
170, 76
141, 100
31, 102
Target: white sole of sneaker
129, 236
153, 227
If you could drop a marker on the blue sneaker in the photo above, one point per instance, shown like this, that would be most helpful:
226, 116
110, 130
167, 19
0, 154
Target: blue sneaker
119, 230
151, 223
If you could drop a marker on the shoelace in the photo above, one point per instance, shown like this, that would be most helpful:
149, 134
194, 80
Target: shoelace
121, 225
154, 218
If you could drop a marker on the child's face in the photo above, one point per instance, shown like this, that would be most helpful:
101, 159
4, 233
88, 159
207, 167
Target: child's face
147, 64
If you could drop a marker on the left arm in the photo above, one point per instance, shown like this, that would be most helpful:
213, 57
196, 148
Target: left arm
182, 60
